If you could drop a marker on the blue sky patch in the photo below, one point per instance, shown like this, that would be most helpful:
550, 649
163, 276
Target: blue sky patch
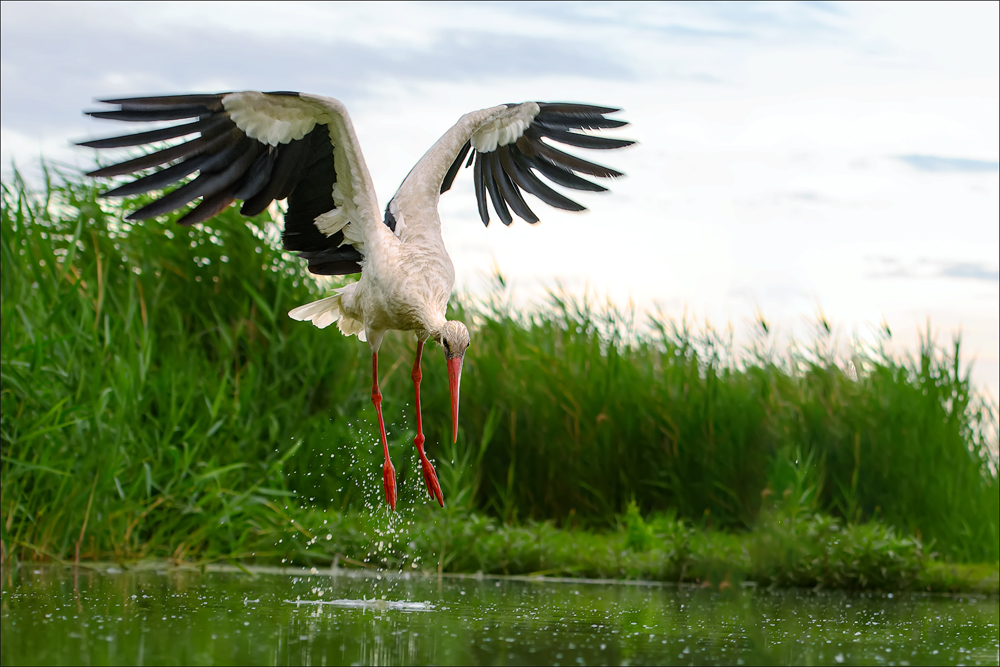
937, 163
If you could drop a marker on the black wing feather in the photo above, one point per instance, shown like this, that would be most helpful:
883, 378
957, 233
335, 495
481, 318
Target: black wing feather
312, 196
160, 179
499, 205
480, 182
526, 180
180, 151
583, 140
562, 176
235, 145
167, 113
574, 109
157, 135
334, 261
257, 176
449, 178
210, 103
315, 146
499, 162
577, 122
284, 166
210, 206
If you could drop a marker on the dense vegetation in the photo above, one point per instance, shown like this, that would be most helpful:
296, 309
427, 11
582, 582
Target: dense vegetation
157, 402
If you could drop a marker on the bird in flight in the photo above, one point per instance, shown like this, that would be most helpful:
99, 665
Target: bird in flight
261, 147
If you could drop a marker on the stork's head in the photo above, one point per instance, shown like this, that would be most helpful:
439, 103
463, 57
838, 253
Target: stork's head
454, 340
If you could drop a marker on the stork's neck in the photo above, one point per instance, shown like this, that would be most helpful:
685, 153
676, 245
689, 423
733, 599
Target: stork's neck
436, 323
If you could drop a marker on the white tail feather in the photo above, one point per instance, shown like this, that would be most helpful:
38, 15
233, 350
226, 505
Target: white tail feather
322, 313
326, 311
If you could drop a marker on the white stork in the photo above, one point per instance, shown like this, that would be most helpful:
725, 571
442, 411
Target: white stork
261, 147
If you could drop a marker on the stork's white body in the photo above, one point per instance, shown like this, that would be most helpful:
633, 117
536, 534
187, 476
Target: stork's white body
407, 277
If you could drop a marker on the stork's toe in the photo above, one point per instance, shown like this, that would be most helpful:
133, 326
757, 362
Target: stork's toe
431, 480
389, 478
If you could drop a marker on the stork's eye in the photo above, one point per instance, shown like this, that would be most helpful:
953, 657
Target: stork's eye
447, 348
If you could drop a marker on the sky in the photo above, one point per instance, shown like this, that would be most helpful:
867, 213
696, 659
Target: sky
792, 158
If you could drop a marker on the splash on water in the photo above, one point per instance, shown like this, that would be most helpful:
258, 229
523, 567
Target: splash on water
375, 605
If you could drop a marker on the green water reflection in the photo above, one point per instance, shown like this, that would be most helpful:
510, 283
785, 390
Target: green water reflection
58, 616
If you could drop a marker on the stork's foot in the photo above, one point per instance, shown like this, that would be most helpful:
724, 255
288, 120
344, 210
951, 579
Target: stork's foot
431, 480
389, 477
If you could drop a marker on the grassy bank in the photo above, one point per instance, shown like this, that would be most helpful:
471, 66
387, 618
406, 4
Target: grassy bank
156, 401
787, 547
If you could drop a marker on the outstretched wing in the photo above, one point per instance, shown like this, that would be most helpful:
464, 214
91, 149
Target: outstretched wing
511, 149
256, 148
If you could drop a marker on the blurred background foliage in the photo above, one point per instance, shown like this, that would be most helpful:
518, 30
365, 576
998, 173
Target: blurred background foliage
157, 401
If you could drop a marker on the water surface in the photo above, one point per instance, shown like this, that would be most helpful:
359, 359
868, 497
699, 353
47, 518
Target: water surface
173, 616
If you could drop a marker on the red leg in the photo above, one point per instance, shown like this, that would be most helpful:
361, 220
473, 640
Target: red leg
430, 476
388, 472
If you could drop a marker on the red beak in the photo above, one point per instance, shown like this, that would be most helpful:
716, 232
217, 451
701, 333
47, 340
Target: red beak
454, 381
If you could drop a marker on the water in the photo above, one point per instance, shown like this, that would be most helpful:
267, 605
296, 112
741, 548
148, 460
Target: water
61, 616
